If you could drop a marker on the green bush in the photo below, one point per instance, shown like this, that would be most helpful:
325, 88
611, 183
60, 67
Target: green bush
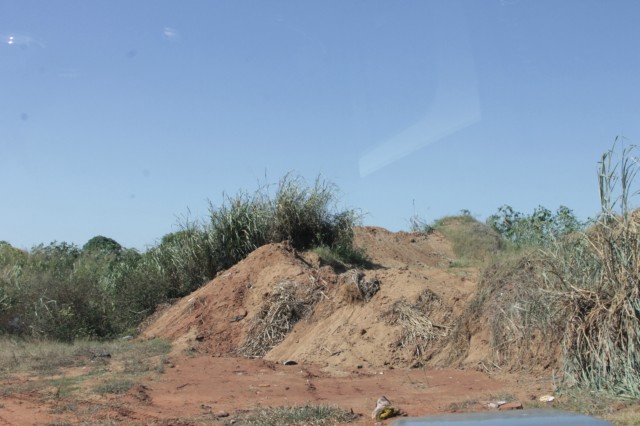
539, 229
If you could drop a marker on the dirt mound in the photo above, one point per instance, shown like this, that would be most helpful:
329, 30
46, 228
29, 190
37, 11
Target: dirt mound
284, 305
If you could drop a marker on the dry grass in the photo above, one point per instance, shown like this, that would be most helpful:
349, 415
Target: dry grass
289, 302
525, 326
422, 323
595, 276
38, 367
357, 288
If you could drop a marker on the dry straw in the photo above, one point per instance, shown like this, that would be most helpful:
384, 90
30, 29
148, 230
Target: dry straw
288, 303
421, 323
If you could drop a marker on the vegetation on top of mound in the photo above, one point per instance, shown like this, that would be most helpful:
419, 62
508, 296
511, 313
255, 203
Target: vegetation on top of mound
104, 290
474, 243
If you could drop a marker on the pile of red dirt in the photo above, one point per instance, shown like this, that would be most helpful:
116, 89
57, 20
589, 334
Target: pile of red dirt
339, 328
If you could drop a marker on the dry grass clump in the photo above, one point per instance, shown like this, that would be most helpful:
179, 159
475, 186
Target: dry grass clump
525, 325
288, 303
357, 288
600, 287
422, 323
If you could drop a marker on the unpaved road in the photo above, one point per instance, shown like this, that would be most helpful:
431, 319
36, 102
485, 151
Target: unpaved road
192, 390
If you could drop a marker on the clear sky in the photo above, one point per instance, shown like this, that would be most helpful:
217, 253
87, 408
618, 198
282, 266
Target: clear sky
117, 117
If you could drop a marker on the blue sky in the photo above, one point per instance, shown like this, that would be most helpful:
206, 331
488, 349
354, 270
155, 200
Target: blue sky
119, 117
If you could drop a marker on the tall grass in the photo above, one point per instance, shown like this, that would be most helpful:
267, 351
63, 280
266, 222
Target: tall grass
569, 297
596, 276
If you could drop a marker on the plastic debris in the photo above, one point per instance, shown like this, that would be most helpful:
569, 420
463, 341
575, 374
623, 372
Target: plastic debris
384, 409
496, 404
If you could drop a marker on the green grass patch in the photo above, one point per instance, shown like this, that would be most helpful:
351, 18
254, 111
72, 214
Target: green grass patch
342, 259
117, 385
311, 415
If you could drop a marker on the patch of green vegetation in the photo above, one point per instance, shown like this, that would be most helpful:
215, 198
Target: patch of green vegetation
117, 385
342, 259
474, 243
46, 357
311, 415
65, 386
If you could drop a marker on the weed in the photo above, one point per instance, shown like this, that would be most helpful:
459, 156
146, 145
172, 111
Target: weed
463, 406
300, 415
114, 385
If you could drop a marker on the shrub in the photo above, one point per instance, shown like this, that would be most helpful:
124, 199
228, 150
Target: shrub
541, 228
184, 260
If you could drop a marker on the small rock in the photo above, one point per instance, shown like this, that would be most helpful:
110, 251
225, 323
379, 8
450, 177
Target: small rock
359, 366
221, 414
547, 398
515, 405
290, 362
240, 315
